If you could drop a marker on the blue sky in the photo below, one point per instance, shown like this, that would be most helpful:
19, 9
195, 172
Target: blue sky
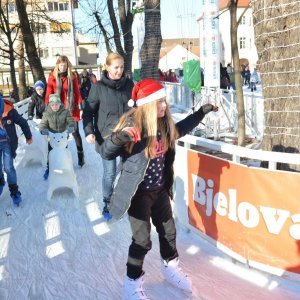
179, 18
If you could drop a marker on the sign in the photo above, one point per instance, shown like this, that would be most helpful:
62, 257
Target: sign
210, 43
254, 212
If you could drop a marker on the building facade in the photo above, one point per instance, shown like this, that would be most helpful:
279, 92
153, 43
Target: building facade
245, 35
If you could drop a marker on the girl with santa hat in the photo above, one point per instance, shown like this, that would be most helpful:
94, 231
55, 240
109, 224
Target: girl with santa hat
145, 138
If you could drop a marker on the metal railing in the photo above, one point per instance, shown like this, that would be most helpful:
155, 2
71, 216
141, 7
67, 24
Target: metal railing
225, 122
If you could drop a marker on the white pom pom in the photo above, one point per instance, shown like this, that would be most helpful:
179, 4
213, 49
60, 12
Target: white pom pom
130, 103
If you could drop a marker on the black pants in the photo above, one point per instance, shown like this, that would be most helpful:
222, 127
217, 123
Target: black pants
146, 205
77, 138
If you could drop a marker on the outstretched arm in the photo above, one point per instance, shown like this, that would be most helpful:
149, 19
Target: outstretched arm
190, 122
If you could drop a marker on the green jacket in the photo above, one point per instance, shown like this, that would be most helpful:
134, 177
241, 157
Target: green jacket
56, 121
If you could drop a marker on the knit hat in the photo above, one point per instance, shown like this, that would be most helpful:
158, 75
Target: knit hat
54, 98
39, 84
146, 91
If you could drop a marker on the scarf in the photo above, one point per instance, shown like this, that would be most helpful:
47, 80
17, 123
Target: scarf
70, 93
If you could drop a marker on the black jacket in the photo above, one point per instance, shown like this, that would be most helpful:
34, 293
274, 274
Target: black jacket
37, 102
134, 165
10, 118
106, 103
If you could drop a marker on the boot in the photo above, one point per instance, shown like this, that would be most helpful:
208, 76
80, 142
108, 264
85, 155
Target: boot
15, 194
105, 211
133, 289
46, 174
174, 275
2, 184
81, 161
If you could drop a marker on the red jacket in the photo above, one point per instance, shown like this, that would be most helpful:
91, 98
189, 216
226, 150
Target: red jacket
51, 89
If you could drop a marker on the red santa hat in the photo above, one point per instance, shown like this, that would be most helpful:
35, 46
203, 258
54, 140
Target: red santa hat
146, 91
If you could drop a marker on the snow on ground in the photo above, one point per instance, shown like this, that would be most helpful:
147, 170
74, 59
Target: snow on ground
62, 249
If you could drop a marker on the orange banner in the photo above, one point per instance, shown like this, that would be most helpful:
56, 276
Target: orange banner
254, 212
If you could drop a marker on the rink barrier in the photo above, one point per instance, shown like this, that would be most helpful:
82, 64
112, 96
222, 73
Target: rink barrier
250, 213
22, 107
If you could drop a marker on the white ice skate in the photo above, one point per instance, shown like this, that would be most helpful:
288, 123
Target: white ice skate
133, 289
174, 275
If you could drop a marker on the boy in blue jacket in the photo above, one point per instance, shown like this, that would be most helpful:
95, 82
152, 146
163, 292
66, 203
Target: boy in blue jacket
8, 146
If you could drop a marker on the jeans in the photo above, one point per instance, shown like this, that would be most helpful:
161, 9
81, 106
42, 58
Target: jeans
109, 174
6, 160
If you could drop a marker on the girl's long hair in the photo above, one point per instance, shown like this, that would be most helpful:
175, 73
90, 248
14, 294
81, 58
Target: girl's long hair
144, 118
64, 59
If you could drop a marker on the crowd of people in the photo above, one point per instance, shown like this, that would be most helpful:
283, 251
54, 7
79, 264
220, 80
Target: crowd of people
123, 119
227, 77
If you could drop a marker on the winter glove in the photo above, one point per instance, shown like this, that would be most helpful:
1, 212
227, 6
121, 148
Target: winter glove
127, 135
45, 131
206, 108
134, 133
30, 117
71, 129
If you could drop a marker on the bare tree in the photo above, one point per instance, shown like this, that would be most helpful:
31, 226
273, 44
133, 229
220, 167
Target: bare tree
116, 30
21, 69
234, 23
31, 50
7, 46
152, 42
276, 27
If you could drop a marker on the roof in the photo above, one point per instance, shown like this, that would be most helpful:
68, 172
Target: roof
241, 3
191, 43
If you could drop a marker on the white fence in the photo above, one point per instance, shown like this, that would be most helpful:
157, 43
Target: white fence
225, 122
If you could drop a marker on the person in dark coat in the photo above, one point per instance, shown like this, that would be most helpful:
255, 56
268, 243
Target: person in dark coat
145, 138
85, 85
37, 101
106, 103
9, 117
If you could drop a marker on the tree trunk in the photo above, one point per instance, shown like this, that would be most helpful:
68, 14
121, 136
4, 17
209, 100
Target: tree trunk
32, 54
126, 20
278, 45
237, 74
21, 71
152, 42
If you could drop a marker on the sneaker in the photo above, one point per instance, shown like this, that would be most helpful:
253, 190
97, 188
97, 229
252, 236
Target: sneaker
174, 275
2, 184
133, 289
105, 212
46, 174
1, 189
16, 198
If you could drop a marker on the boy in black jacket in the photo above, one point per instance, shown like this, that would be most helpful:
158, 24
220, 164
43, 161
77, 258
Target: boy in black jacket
8, 146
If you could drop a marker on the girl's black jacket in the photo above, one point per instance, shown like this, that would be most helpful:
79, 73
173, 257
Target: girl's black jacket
134, 165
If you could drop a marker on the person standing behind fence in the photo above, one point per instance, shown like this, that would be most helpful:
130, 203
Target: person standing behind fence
64, 82
37, 101
106, 102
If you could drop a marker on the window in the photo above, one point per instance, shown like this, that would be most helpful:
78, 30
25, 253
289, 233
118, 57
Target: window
56, 6
60, 27
243, 21
242, 43
44, 53
38, 28
12, 7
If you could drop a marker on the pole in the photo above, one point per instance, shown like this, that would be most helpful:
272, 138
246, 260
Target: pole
74, 33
